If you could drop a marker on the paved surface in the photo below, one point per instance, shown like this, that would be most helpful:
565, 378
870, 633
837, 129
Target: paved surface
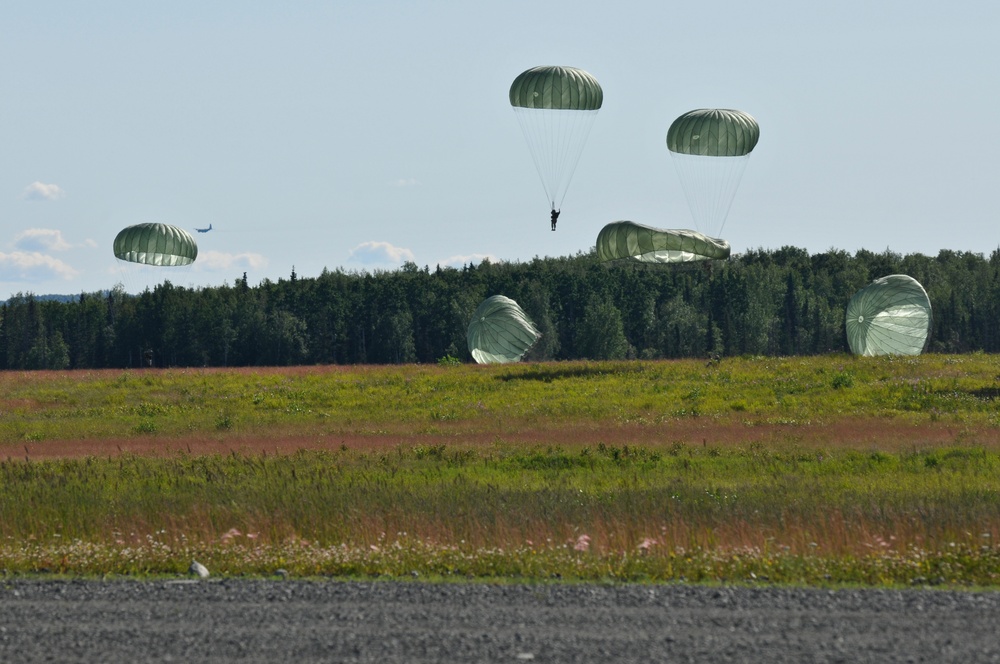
388, 622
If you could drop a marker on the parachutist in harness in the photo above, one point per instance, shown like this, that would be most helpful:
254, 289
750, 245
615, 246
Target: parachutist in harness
555, 217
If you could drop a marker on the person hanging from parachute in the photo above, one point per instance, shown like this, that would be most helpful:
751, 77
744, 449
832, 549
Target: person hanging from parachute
555, 107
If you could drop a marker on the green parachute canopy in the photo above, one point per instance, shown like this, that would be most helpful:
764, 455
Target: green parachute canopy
556, 89
710, 148
155, 244
890, 316
556, 107
500, 331
628, 240
713, 132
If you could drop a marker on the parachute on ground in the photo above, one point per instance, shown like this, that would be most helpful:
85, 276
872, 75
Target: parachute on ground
710, 149
631, 241
155, 244
890, 316
500, 331
556, 107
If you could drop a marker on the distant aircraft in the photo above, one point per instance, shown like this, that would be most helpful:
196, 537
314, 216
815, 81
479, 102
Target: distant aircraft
204, 230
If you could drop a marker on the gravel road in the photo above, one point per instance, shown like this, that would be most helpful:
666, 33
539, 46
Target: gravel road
387, 622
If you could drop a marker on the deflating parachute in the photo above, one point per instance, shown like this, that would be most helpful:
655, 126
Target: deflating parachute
500, 331
890, 316
632, 241
710, 149
155, 244
556, 107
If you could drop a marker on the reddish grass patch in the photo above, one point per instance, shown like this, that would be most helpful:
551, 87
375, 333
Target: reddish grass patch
847, 433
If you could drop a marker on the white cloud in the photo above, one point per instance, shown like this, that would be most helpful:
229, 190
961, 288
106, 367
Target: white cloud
372, 253
39, 191
217, 260
460, 261
405, 182
33, 266
41, 239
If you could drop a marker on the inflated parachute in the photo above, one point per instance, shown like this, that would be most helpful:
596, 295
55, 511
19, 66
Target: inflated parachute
627, 240
710, 149
500, 331
890, 316
155, 244
556, 107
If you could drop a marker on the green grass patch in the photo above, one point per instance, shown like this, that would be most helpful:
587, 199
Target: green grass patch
616, 512
168, 403
614, 490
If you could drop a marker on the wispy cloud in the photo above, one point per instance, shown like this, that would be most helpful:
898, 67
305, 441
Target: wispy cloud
218, 260
405, 182
39, 191
41, 239
379, 253
33, 266
460, 261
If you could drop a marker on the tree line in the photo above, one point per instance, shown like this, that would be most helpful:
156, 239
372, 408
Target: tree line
762, 302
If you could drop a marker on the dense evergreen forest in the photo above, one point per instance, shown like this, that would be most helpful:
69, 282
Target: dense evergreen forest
763, 302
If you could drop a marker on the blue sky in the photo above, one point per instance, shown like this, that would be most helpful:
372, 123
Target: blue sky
362, 134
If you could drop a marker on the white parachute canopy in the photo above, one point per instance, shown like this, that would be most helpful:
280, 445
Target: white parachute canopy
500, 331
890, 316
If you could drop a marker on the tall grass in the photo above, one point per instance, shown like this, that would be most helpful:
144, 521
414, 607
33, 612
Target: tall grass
517, 507
869, 470
327, 401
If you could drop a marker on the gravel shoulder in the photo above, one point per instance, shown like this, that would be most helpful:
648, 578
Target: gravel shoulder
386, 621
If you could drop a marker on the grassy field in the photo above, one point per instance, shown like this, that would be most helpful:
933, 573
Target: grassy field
817, 470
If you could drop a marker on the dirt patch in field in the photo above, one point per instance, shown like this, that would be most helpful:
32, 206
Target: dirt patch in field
861, 434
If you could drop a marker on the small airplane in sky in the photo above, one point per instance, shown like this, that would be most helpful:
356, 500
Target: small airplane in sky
204, 230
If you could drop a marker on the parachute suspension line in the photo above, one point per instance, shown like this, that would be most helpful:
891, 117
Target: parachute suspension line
576, 139
137, 278
125, 277
710, 185
556, 139
534, 136
568, 136
134, 277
